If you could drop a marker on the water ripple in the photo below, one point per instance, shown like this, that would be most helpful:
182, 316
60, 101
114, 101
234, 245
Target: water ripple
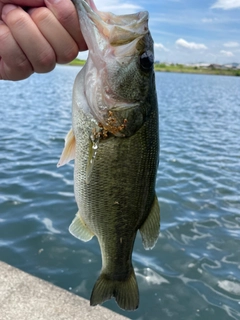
193, 272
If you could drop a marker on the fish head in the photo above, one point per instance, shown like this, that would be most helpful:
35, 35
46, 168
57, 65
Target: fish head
120, 66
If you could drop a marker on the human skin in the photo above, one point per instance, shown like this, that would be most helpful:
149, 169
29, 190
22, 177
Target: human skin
35, 35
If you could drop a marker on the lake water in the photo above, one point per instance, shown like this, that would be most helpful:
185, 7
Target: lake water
194, 270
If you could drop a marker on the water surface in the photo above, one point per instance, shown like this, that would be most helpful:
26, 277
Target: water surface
194, 270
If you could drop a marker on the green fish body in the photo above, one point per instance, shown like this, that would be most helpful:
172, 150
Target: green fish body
114, 141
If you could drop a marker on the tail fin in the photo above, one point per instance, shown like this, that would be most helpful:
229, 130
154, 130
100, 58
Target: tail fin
125, 292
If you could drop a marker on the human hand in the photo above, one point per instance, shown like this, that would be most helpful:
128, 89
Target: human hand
33, 38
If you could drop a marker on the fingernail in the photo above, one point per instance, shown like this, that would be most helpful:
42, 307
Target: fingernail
7, 8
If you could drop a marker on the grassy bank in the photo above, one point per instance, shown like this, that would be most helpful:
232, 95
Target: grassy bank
180, 68
77, 62
200, 70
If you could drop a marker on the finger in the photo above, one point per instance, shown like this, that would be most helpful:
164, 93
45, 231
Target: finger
14, 65
22, 3
66, 14
64, 46
29, 38
28, 3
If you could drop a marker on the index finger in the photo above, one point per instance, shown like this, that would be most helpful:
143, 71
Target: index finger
66, 14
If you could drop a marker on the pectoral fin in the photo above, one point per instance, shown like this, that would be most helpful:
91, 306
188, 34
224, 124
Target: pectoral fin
150, 229
79, 229
68, 153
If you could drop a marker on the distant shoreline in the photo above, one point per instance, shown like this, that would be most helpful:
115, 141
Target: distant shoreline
180, 68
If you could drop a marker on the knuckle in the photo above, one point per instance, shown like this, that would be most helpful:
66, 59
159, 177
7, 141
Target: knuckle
46, 62
20, 76
22, 68
22, 64
4, 35
17, 72
68, 55
67, 17
17, 22
41, 15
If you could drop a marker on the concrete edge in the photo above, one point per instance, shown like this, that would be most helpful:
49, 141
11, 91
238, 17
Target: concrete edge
25, 297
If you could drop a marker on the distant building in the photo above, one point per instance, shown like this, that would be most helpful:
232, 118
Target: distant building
198, 65
229, 66
214, 66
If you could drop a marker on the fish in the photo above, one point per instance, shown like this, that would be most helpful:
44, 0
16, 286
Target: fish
114, 142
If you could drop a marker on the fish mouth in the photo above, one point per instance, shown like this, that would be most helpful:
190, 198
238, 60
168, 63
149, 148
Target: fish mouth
107, 29
114, 41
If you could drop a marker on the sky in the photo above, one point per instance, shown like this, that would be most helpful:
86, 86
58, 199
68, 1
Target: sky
187, 31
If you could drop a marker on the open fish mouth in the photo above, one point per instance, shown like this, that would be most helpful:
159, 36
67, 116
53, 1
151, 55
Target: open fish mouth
115, 43
106, 29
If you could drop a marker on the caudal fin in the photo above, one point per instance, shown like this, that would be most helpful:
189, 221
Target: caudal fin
125, 292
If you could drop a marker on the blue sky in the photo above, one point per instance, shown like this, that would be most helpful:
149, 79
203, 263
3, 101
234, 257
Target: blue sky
188, 31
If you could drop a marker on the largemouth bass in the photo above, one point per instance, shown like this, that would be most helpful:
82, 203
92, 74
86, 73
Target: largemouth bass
114, 141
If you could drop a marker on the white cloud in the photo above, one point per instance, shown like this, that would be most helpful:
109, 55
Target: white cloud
226, 4
117, 6
160, 47
227, 53
231, 44
190, 45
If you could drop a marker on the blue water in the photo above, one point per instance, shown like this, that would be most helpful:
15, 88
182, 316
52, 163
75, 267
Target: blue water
194, 270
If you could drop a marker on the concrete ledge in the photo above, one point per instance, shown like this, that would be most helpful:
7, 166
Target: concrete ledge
25, 297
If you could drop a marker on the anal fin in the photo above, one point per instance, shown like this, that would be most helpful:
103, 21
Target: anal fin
150, 228
80, 230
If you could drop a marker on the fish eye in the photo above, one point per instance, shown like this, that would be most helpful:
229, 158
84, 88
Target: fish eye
146, 60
